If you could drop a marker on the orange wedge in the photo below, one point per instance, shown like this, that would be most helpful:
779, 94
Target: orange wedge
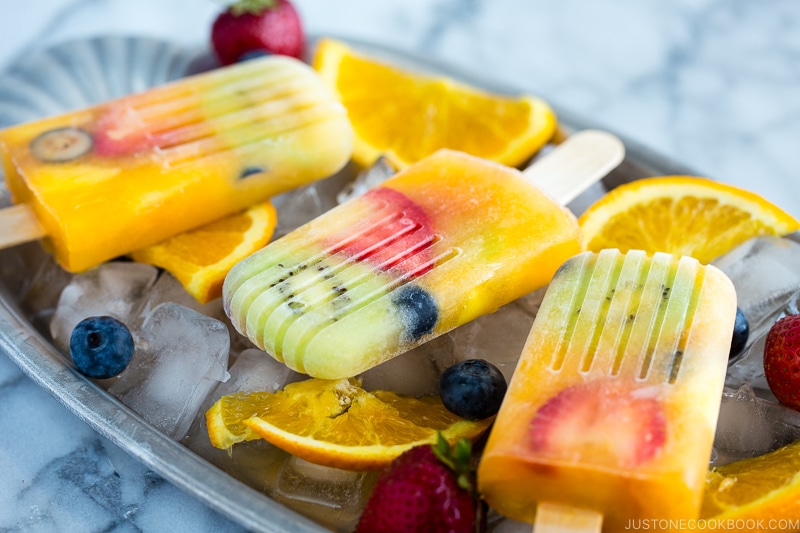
762, 493
337, 423
406, 116
682, 215
200, 259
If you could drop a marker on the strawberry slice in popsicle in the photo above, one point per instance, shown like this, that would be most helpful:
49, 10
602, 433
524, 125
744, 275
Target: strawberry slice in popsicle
106, 180
445, 241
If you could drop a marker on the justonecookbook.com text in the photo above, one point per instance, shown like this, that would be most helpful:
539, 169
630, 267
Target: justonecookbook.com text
732, 524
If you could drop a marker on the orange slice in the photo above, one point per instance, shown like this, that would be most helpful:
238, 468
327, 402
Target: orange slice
406, 116
200, 259
682, 215
762, 492
225, 418
337, 423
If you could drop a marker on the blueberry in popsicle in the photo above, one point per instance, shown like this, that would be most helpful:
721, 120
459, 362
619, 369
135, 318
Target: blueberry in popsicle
441, 243
104, 181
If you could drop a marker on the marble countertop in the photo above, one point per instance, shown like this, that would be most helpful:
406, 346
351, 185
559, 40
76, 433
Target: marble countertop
709, 83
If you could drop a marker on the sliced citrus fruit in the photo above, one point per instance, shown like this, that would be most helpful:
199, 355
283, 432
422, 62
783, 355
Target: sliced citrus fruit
406, 115
683, 215
761, 490
201, 258
224, 418
337, 423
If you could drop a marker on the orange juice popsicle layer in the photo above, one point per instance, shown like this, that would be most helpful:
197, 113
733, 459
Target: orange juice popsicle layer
103, 181
447, 240
614, 402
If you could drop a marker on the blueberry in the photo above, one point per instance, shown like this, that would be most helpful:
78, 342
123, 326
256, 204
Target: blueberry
741, 332
472, 389
61, 145
101, 346
418, 310
249, 171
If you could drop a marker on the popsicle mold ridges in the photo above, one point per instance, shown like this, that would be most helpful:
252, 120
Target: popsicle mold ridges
116, 177
626, 317
614, 402
447, 240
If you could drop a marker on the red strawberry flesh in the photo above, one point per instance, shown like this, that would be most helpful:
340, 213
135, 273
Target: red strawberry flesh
119, 131
274, 29
401, 241
782, 360
418, 493
600, 422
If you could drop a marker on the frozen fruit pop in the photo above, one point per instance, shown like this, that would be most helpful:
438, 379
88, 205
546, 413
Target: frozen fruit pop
445, 241
106, 180
613, 405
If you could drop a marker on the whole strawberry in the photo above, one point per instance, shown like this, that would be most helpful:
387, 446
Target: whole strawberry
247, 26
428, 488
782, 360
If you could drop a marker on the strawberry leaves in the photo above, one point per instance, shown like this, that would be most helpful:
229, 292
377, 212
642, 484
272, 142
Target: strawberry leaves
428, 488
253, 7
457, 458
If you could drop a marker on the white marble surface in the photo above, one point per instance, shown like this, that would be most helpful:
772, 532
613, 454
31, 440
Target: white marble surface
710, 83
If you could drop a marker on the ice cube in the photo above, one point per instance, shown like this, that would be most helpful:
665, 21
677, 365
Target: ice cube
766, 274
415, 372
41, 284
301, 205
256, 462
116, 289
169, 289
749, 426
331, 496
297, 208
180, 357
19, 264
252, 371
498, 337
749, 366
368, 178
255, 371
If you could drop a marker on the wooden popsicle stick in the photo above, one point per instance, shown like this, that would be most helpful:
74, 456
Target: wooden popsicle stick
574, 165
18, 224
552, 518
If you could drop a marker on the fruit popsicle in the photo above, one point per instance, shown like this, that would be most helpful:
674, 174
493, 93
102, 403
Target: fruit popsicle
448, 239
103, 181
613, 405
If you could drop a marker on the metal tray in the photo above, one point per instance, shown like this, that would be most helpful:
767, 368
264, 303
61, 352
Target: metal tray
78, 73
